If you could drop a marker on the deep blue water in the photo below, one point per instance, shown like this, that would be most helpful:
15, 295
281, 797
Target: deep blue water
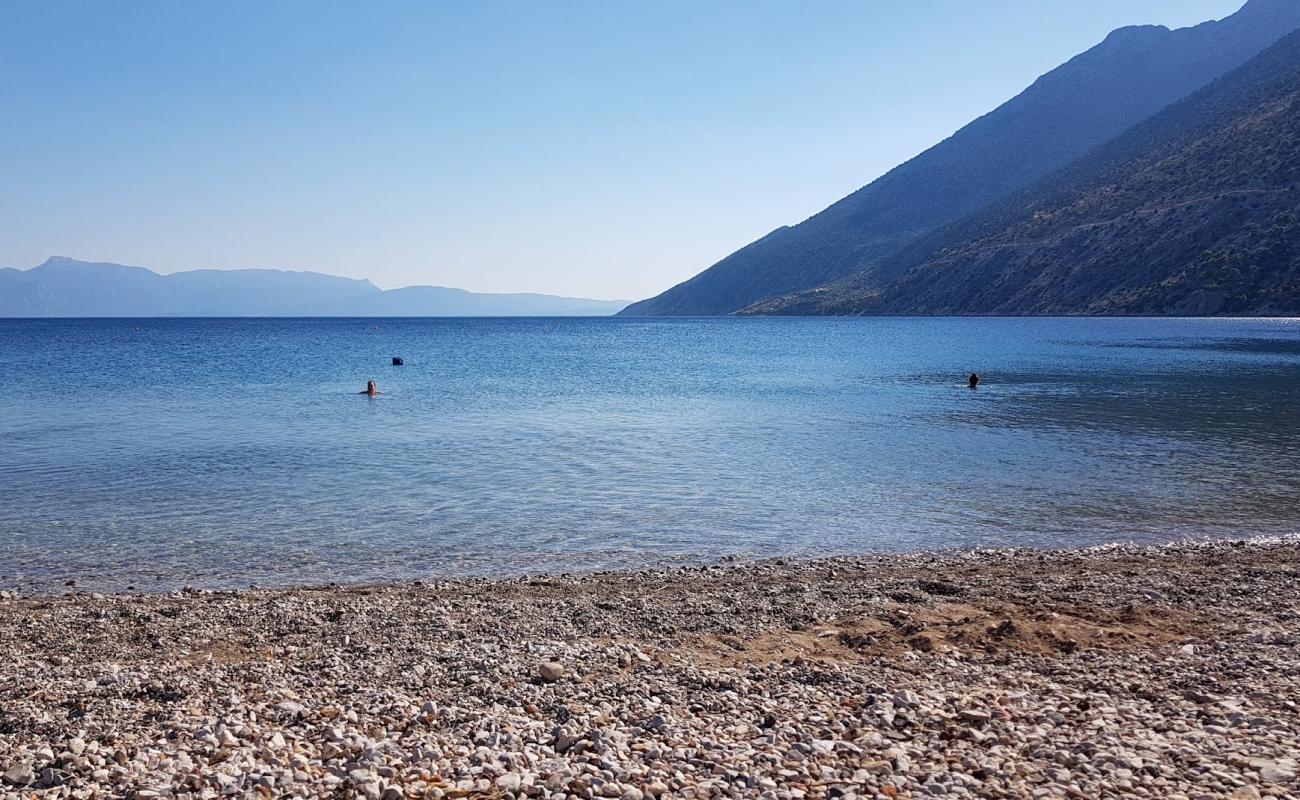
159, 453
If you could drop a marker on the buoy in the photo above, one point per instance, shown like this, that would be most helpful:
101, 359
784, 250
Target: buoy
397, 361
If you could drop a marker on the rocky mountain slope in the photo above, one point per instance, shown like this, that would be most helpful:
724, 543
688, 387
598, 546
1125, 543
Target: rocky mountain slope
1065, 114
1196, 211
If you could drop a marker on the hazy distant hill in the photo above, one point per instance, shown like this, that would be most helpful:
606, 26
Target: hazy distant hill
1069, 111
1196, 211
63, 287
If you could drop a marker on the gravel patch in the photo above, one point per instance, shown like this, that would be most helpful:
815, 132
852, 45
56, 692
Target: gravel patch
1169, 672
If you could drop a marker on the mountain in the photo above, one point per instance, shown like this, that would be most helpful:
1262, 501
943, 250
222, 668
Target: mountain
64, 287
1071, 110
1196, 211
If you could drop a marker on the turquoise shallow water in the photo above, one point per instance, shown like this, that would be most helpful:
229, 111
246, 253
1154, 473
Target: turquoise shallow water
157, 453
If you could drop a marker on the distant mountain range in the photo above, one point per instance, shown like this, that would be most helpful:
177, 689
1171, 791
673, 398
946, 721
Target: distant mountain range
64, 287
1152, 174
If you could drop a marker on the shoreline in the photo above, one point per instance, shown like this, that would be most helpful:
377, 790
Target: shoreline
1167, 670
79, 587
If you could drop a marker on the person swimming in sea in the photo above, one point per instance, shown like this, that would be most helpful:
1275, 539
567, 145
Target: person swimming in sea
371, 389
974, 380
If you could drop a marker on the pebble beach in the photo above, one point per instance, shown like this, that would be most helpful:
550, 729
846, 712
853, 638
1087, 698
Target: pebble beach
1161, 672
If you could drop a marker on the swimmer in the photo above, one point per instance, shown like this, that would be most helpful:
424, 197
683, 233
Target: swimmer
371, 389
974, 380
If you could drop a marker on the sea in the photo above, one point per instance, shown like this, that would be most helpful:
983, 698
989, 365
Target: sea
154, 454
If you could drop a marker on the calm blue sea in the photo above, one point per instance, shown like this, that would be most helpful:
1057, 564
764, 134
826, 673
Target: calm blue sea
221, 452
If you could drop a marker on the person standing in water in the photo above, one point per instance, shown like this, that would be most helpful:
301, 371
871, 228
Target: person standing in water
371, 389
974, 380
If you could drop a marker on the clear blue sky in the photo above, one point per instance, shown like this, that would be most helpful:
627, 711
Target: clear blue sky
605, 149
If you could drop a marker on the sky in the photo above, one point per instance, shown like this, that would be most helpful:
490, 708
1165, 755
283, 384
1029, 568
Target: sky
601, 149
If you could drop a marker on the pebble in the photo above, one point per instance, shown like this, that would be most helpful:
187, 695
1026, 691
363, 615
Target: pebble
20, 775
1274, 772
1051, 677
550, 671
